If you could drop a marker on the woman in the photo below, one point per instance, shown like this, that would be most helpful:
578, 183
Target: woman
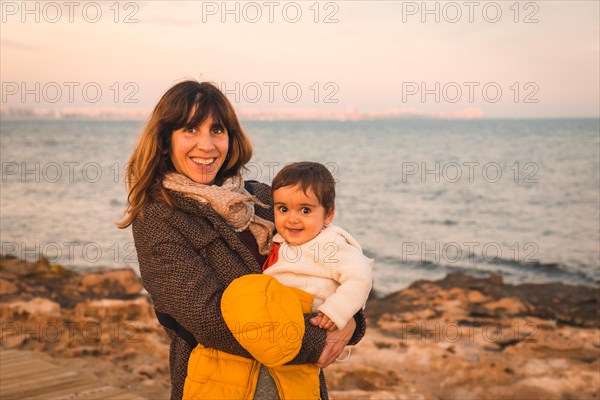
182, 177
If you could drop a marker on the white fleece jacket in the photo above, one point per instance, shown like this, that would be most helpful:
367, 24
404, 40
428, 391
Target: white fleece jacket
331, 267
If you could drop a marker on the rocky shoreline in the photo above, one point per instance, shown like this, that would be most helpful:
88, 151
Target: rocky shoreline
98, 322
460, 337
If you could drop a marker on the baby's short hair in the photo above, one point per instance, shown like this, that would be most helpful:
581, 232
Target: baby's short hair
308, 175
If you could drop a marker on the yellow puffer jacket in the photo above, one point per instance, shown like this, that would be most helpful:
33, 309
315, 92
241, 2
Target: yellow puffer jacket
266, 318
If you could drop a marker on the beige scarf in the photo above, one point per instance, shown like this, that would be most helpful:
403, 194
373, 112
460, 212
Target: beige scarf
231, 201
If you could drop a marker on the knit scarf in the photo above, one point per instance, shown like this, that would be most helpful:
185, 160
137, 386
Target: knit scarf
231, 201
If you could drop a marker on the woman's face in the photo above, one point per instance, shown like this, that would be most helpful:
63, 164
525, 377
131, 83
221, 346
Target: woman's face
199, 152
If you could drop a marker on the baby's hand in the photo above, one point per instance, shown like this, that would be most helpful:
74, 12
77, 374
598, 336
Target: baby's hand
323, 321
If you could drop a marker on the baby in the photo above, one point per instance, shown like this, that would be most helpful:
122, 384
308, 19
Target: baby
313, 267
309, 253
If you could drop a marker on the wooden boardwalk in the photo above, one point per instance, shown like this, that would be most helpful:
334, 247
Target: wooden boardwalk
22, 376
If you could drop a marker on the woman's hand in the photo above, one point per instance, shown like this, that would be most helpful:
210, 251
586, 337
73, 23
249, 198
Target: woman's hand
335, 342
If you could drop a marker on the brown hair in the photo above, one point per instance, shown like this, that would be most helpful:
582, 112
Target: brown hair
308, 175
185, 105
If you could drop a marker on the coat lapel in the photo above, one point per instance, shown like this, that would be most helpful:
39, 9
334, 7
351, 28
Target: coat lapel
221, 228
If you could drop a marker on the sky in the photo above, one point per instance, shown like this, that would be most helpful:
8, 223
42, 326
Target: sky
304, 59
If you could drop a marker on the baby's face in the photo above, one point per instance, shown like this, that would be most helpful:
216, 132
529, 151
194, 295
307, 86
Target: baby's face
299, 216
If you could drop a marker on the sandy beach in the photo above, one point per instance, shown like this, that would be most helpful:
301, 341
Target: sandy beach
459, 337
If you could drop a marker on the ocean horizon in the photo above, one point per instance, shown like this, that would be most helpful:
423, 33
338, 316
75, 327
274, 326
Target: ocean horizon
424, 197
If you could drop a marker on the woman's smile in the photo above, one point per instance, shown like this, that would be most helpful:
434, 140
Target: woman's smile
203, 161
200, 152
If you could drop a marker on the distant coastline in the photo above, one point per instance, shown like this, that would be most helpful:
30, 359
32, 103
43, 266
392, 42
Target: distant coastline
140, 113
10, 113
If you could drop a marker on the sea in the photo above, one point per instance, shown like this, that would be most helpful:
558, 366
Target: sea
424, 197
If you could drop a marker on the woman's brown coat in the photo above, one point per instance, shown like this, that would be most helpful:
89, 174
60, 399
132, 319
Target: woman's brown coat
187, 257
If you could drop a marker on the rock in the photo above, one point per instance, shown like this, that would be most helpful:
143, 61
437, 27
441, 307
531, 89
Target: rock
35, 307
149, 371
7, 288
535, 367
568, 304
572, 305
459, 337
111, 283
17, 266
87, 318
475, 296
367, 379
492, 286
111, 310
49, 271
466, 337
66, 287
82, 351
37, 319
12, 341
40, 269
502, 308
541, 387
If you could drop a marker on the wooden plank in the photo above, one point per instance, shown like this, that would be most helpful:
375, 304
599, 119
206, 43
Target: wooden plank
22, 370
89, 393
10, 355
22, 376
41, 379
15, 363
109, 393
47, 386
43, 392
36, 380
72, 392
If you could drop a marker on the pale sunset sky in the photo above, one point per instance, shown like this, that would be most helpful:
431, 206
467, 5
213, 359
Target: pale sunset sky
305, 59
